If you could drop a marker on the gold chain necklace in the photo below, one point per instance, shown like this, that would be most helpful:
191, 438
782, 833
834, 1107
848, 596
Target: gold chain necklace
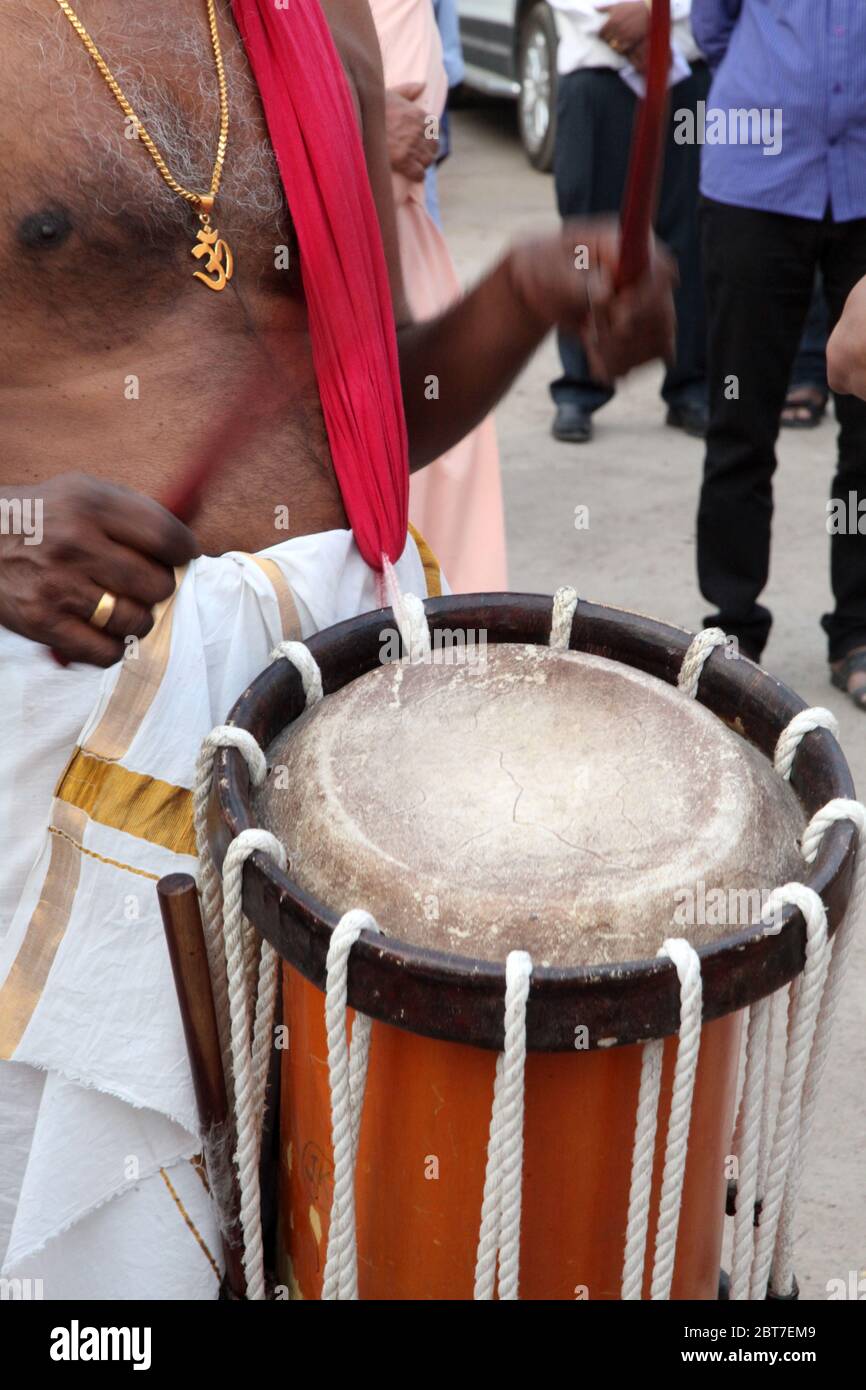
219, 266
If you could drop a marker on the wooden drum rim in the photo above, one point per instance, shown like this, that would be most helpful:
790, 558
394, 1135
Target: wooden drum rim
460, 999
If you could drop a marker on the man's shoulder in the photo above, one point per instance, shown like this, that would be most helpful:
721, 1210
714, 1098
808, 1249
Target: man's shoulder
354, 33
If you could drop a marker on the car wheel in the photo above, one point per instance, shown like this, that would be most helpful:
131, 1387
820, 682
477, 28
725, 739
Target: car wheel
536, 105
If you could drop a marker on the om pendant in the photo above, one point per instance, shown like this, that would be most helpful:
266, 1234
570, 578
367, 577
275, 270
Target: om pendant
219, 266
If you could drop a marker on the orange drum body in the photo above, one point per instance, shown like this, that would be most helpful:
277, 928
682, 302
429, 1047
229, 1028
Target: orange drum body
422, 1153
571, 826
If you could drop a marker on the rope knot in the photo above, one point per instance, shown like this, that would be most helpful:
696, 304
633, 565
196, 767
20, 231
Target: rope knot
562, 617
795, 731
300, 656
701, 648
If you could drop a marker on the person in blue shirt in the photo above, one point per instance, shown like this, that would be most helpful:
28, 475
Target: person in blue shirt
452, 56
783, 184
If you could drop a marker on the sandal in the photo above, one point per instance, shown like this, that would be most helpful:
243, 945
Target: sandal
853, 663
804, 407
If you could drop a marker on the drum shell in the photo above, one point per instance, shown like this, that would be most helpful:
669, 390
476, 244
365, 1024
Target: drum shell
417, 1235
421, 1161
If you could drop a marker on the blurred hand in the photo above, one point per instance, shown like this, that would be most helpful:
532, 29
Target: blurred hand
95, 537
626, 27
846, 348
410, 150
567, 281
638, 56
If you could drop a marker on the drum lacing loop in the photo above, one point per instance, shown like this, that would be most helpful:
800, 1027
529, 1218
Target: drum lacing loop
837, 810
701, 648
252, 990
688, 967
300, 656
409, 615
347, 1071
232, 964
562, 616
503, 1180
646, 1122
223, 736
792, 1115
752, 1126
792, 736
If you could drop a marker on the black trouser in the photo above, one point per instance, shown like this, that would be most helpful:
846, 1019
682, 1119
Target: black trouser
759, 272
594, 122
810, 364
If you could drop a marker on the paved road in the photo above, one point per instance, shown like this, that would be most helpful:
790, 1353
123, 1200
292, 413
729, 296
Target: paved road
639, 480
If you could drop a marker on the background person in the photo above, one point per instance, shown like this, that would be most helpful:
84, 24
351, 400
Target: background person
456, 502
595, 113
448, 23
769, 223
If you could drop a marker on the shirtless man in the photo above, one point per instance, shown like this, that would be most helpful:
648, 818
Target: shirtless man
95, 287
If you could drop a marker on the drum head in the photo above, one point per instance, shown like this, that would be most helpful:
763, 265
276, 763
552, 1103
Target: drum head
558, 802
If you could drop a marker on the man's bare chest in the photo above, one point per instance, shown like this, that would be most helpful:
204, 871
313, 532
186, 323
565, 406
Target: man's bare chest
83, 207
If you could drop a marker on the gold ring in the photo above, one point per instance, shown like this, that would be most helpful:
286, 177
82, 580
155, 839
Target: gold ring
101, 615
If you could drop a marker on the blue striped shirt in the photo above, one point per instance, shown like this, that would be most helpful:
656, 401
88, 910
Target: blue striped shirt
802, 64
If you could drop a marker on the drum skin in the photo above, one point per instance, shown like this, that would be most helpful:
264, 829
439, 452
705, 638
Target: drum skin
421, 1160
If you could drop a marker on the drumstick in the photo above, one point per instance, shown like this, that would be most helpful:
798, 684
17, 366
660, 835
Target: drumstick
178, 903
647, 152
256, 401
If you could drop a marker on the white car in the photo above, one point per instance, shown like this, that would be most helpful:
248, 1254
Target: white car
510, 50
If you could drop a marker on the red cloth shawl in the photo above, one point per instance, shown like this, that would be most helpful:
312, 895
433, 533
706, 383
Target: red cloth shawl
314, 131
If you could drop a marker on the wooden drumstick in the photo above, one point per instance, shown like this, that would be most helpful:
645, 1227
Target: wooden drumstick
647, 152
181, 917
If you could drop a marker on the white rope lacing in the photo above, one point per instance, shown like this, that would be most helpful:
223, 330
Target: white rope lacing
802, 1018
688, 965
755, 1086
701, 648
243, 972
347, 1071
409, 615
499, 1234
300, 656
251, 1038
782, 1271
792, 736
773, 1082
562, 617
224, 736
640, 1189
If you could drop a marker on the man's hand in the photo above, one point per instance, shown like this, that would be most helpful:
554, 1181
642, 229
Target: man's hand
846, 348
95, 537
410, 150
567, 281
639, 56
626, 27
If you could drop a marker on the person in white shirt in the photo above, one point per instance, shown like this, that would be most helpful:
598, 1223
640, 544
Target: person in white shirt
601, 55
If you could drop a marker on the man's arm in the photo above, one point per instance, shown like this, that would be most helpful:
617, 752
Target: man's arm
713, 22
455, 367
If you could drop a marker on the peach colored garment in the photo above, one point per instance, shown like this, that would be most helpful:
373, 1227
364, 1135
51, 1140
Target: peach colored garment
456, 502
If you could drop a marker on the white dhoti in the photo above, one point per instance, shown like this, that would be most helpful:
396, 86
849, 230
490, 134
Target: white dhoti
102, 1193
